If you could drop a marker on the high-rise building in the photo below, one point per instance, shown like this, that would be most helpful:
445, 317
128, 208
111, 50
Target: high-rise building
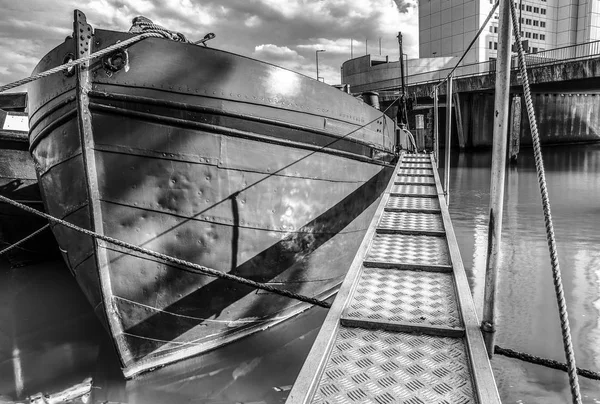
446, 27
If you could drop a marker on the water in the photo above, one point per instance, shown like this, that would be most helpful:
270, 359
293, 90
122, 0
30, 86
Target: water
527, 310
50, 339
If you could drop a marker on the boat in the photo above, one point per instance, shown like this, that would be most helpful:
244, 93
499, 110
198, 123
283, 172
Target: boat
18, 182
211, 157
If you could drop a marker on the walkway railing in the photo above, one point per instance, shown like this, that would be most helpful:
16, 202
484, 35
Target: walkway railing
581, 51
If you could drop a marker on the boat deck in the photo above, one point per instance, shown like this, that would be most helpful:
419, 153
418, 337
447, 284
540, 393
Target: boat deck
403, 328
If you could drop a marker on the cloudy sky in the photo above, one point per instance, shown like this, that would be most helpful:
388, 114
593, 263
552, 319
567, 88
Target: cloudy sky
283, 32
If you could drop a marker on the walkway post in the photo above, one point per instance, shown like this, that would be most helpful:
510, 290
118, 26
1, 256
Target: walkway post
448, 138
436, 134
499, 141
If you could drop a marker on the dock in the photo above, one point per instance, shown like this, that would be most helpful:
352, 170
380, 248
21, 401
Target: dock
403, 327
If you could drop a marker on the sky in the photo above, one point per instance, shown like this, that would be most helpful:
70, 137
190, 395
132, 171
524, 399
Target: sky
283, 32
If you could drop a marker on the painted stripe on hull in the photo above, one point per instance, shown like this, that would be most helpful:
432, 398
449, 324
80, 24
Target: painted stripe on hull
342, 228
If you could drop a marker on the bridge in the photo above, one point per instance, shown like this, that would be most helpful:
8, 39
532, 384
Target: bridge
565, 85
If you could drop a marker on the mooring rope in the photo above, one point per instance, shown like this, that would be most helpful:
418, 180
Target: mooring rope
187, 266
144, 25
549, 363
539, 165
84, 59
18, 243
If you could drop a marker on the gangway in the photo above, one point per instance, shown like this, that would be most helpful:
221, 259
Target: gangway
403, 327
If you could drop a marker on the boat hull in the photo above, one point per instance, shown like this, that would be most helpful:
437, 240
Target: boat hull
248, 185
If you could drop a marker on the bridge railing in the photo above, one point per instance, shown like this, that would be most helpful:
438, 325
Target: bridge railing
566, 53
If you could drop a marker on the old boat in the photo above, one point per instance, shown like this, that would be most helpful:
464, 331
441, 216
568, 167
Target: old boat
18, 181
211, 157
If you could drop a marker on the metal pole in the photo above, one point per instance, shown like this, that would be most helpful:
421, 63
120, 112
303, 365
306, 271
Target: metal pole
366, 46
379, 46
500, 135
401, 63
351, 48
436, 135
448, 137
403, 113
317, 58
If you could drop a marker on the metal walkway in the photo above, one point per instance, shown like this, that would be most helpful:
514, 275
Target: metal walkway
403, 327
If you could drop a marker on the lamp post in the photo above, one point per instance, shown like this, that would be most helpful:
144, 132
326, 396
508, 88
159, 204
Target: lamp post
317, 58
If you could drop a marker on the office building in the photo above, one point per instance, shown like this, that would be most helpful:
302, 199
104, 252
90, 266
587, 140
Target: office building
446, 27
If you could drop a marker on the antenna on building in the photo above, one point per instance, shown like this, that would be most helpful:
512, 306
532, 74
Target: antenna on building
366, 46
351, 48
379, 46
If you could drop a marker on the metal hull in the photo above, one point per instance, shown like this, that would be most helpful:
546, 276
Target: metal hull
229, 171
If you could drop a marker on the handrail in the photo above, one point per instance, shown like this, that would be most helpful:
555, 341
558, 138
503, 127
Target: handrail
580, 51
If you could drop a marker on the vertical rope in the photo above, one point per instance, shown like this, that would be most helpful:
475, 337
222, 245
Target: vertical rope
539, 165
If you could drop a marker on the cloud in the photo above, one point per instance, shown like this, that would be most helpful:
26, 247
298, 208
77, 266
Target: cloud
281, 32
252, 21
274, 52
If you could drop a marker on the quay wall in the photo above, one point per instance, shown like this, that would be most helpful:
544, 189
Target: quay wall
561, 118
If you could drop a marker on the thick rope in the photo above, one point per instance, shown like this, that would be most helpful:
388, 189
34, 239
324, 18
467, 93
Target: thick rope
549, 363
18, 243
142, 24
539, 165
186, 265
84, 59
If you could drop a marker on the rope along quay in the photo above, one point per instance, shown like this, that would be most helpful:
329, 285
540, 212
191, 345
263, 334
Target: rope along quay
186, 265
497, 349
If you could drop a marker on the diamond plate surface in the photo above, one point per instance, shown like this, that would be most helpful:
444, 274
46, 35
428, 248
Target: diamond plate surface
415, 171
397, 296
405, 179
415, 165
382, 367
427, 222
413, 203
416, 160
409, 249
406, 189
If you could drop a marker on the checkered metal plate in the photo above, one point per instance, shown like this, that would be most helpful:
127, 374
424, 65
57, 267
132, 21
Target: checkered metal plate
418, 190
409, 250
416, 160
411, 203
373, 366
415, 165
415, 171
405, 297
413, 222
415, 180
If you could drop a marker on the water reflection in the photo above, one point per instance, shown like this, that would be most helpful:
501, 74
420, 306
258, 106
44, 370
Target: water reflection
527, 311
49, 338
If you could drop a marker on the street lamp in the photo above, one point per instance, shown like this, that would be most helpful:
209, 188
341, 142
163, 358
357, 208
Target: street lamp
317, 58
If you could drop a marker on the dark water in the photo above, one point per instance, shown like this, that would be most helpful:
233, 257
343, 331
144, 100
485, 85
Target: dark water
49, 338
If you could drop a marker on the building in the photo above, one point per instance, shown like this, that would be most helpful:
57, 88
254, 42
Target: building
446, 27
